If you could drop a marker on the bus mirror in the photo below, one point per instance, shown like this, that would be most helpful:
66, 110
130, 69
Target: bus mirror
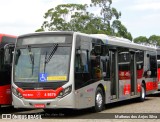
8, 49
97, 49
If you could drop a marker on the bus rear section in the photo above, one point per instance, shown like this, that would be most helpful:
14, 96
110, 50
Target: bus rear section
5, 69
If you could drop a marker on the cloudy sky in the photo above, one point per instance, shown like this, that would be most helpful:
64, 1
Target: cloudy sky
141, 17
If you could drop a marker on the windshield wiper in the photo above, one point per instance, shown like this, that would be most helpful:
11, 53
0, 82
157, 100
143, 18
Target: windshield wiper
52, 51
31, 57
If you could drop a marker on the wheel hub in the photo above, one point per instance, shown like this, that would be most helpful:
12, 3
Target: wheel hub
143, 94
99, 100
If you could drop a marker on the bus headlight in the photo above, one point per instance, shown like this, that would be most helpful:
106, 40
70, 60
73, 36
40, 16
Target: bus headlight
65, 92
16, 93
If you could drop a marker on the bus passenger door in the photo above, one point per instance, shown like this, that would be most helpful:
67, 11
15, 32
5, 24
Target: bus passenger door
133, 73
124, 72
114, 75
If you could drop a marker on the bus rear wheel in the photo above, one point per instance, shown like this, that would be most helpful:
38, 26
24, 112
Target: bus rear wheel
143, 92
99, 100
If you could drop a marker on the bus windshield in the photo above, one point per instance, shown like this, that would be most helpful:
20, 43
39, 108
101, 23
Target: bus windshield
42, 64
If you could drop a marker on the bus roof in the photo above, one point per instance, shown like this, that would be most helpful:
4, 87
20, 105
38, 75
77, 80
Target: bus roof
6, 39
122, 42
8, 35
110, 40
44, 33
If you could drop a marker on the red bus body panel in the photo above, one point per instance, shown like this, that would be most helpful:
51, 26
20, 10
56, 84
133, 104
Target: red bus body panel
5, 94
5, 90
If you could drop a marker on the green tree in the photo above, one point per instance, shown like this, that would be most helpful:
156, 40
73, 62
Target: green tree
154, 39
120, 30
141, 40
107, 12
71, 17
76, 17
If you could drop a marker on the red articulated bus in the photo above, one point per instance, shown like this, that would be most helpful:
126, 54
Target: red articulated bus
5, 68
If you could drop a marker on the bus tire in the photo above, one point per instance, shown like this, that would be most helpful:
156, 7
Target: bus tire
99, 100
143, 92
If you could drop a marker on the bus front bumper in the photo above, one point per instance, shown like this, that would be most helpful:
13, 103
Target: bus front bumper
65, 102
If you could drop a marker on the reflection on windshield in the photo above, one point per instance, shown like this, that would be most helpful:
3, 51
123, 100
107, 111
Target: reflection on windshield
31, 57
47, 59
55, 70
24, 69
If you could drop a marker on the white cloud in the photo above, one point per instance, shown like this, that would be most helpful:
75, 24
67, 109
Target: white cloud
143, 25
144, 21
78, 1
116, 1
146, 5
23, 16
141, 17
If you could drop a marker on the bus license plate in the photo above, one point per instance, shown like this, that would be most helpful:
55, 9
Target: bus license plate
39, 106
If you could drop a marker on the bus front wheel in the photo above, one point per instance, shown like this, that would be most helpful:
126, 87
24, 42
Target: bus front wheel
99, 100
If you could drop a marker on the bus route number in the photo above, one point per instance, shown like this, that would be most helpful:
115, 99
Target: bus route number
50, 94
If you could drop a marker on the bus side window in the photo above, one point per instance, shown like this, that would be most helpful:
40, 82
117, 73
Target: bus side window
81, 61
82, 74
153, 66
108, 70
96, 71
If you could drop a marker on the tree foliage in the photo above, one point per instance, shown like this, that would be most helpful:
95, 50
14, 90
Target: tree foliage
141, 40
152, 40
106, 11
120, 30
76, 17
71, 17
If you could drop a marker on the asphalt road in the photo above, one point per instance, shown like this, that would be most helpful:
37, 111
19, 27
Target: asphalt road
116, 111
